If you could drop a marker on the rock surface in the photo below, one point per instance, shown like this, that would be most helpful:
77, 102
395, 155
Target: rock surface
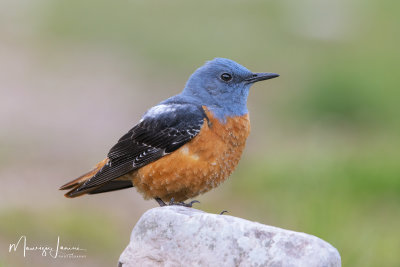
179, 236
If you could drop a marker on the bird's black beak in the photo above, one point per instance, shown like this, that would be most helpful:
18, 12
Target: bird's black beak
256, 77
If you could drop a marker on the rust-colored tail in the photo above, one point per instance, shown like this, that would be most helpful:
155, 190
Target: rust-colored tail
75, 184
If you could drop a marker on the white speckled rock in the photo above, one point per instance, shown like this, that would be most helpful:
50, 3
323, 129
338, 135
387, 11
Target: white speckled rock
179, 236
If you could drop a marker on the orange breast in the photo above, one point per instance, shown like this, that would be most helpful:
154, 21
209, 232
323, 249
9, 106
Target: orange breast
199, 165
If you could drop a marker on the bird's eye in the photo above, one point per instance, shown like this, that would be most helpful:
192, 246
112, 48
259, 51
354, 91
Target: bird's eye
226, 77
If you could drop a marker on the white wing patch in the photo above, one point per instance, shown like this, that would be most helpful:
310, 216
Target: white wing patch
160, 109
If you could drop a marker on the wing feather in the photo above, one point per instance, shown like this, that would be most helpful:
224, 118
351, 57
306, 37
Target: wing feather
155, 136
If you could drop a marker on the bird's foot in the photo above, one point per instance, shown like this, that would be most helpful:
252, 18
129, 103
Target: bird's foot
222, 212
189, 205
173, 203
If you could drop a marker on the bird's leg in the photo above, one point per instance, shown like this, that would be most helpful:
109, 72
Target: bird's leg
160, 202
189, 205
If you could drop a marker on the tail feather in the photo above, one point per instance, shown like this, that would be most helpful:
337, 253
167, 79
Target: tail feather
76, 183
75, 193
112, 186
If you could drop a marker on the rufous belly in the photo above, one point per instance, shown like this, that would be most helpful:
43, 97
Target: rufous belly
198, 166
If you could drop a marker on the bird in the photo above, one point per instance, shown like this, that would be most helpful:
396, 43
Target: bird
185, 145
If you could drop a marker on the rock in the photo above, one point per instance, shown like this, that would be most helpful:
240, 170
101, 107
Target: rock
180, 236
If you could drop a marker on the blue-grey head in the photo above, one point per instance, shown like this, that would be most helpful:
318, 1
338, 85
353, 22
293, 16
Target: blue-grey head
222, 85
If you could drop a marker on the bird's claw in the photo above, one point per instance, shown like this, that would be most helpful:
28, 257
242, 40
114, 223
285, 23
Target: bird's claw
222, 212
189, 205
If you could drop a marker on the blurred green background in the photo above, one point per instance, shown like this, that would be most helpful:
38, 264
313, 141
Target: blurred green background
323, 155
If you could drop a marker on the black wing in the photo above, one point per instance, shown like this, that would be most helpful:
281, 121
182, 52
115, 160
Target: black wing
163, 130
